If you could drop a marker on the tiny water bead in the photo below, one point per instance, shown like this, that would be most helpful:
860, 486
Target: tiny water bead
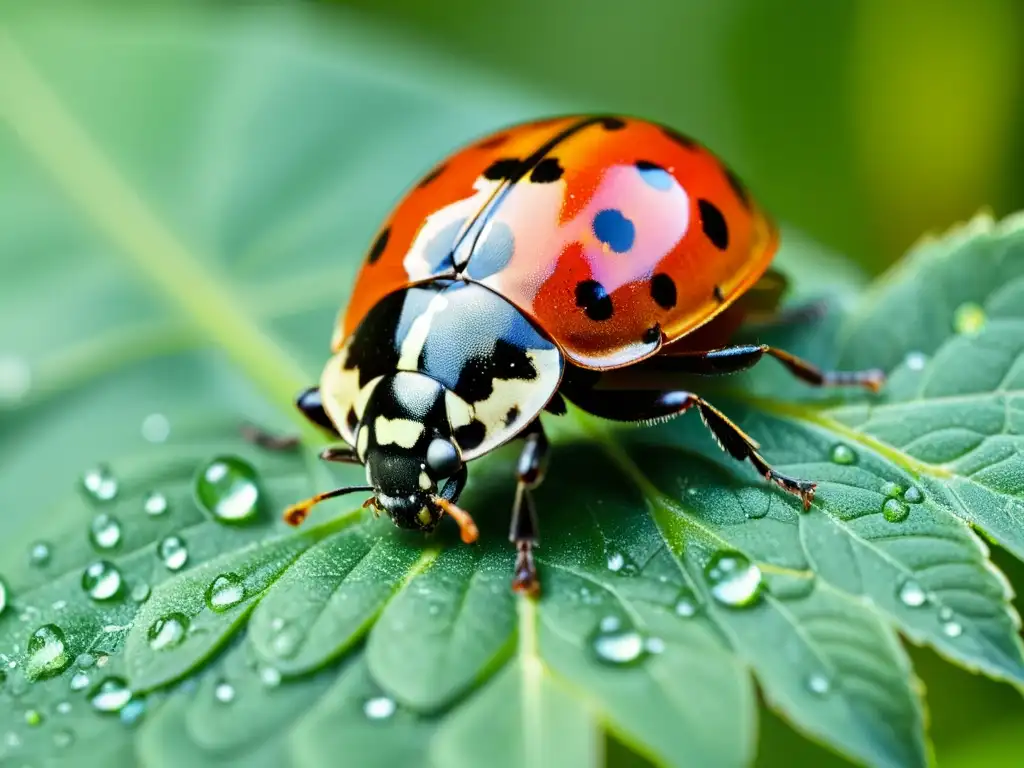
226, 591
33, 718
916, 361
913, 495
227, 488
63, 708
895, 511
286, 640
843, 454
110, 695
617, 642
224, 692
156, 428
85, 661
952, 629
63, 738
79, 681
818, 684
615, 561
912, 594
969, 318
15, 379
687, 605
734, 580
100, 483
168, 631
39, 553
105, 531
270, 676
891, 490
379, 708
47, 653
173, 553
155, 503
101, 580
140, 592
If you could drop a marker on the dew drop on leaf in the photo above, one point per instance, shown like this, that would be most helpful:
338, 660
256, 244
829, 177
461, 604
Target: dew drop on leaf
818, 684
224, 692
63, 738
15, 379
39, 554
85, 661
379, 708
913, 495
286, 640
33, 718
155, 503
225, 592
615, 561
969, 318
227, 489
617, 642
156, 428
47, 653
173, 553
63, 707
12, 740
140, 592
133, 711
895, 511
110, 695
915, 360
687, 605
101, 580
168, 631
654, 645
270, 676
952, 629
911, 594
79, 681
891, 490
843, 454
734, 580
100, 483
105, 531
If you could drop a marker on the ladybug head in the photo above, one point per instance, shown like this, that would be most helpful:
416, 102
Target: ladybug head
405, 441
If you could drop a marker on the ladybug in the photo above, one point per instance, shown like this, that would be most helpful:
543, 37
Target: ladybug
590, 259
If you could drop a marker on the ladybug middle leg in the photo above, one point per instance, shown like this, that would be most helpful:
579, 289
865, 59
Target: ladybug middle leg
311, 406
530, 471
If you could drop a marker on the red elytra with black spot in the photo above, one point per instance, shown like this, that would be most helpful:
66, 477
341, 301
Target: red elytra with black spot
615, 235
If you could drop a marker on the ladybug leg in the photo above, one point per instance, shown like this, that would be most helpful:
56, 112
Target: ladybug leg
652, 406
309, 403
523, 533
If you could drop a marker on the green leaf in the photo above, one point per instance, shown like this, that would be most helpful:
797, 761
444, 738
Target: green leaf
177, 244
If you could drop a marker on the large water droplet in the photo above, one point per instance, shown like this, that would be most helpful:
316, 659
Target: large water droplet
15, 379
895, 511
110, 695
225, 592
224, 692
228, 490
969, 318
3, 596
818, 684
379, 708
916, 361
173, 553
734, 580
47, 653
168, 631
101, 580
913, 495
617, 642
155, 503
912, 594
39, 554
843, 454
156, 428
100, 483
105, 531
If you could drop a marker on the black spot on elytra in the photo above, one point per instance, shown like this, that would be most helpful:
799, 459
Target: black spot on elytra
654, 175
493, 141
506, 361
613, 229
507, 168
737, 186
511, 416
717, 292
652, 334
680, 138
432, 175
351, 420
713, 223
546, 171
471, 435
663, 290
593, 299
612, 123
378, 246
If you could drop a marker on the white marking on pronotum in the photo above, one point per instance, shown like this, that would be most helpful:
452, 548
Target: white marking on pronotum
414, 341
402, 432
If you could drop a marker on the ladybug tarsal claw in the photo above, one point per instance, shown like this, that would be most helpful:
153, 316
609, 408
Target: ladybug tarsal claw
467, 528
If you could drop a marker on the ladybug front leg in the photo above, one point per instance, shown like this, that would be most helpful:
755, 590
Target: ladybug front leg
311, 406
649, 406
523, 533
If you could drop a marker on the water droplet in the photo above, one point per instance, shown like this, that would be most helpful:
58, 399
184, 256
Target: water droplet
85, 660
891, 490
945, 613
47, 653
916, 361
12, 740
912, 595
3, 596
687, 605
224, 693
168, 631
100, 483
734, 580
173, 552
379, 708
155, 503
156, 428
105, 531
101, 580
818, 684
654, 645
33, 717
615, 561
227, 489
39, 554
63, 738
225, 592
63, 708
110, 695
895, 511
969, 318
286, 641
79, 681
617, 642
952, 629
133, 711
140, 592
843, 454
59, 605
913, 495
15, 379
270, 676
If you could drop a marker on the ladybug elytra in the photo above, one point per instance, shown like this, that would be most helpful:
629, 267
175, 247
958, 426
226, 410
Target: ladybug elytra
581, 258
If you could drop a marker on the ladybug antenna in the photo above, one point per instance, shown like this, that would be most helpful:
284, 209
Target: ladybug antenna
467, 527
296, 513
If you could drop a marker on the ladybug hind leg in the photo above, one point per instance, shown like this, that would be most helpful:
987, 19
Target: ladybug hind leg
311, 406
523, 532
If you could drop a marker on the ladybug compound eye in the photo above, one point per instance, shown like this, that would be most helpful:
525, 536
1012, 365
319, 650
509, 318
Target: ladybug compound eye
443, 459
